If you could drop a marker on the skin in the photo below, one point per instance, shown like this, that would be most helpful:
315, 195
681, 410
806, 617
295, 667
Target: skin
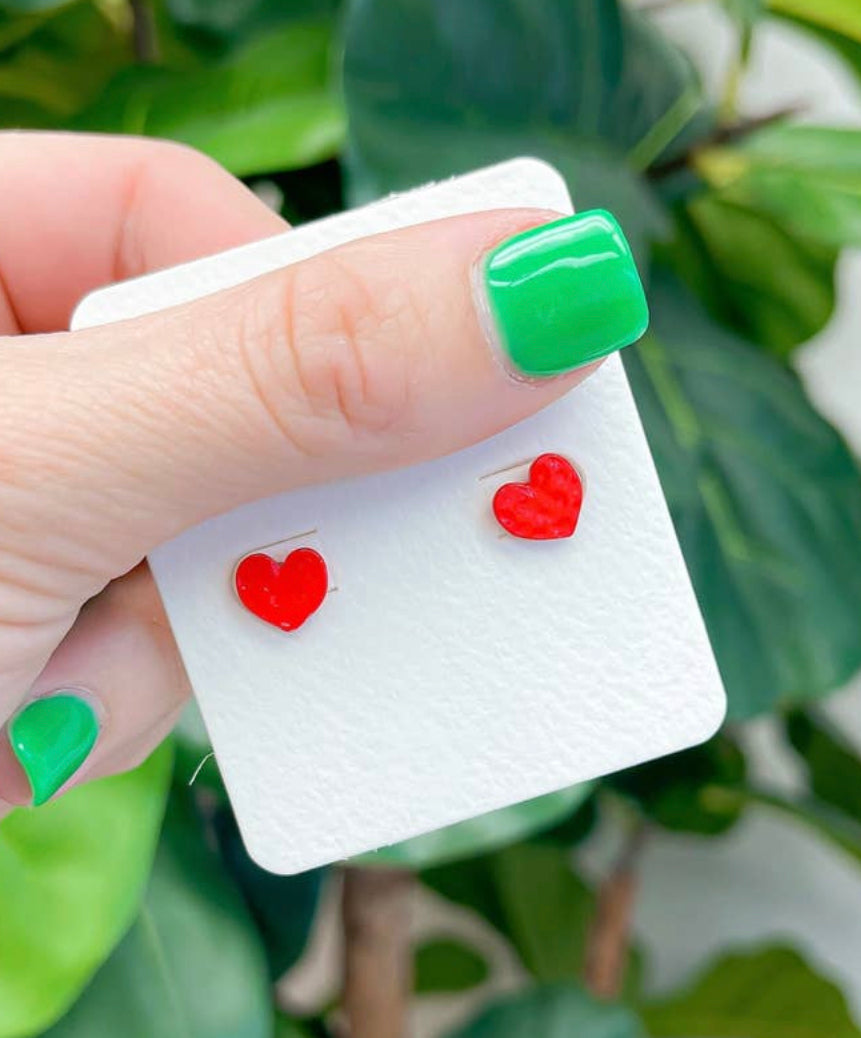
113, 440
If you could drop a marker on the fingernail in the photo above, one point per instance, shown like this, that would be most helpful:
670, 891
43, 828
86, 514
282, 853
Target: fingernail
51, 738
564, 294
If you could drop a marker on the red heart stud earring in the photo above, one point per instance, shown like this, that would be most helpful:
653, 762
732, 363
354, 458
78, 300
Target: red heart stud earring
547, 506
286, 593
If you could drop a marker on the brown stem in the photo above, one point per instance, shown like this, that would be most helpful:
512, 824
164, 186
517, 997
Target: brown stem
375, 910
721, 135
144, 39
608, 942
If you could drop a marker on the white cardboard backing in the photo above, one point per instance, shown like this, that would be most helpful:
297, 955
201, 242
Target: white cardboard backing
454, 671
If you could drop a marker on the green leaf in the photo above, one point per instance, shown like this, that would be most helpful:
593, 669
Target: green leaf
231, 21
191, 965
554, 1012
72, 874
485, 833
766, 500
447, 966
760, 994
837, 24
269, 106
287, 1028
31, 6
771, 286
808, 178
61, 64
282, 907
434, 89
833, 764
531, 895
674, 791
15, 27
840, 16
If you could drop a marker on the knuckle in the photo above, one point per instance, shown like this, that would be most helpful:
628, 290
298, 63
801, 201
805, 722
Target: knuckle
341, 353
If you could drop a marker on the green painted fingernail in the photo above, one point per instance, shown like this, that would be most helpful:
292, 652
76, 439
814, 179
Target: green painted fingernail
565, 294
52, 737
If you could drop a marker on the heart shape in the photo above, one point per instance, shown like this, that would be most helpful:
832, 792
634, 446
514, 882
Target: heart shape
545, 508
286, 593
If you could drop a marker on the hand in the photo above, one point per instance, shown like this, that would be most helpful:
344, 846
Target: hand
115, 439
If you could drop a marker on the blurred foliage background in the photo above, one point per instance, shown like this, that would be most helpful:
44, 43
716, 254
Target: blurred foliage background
130, 907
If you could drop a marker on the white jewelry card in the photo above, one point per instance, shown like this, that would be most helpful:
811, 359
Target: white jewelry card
451, 669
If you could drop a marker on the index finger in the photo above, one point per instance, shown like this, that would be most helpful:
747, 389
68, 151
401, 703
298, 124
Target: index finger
80, 211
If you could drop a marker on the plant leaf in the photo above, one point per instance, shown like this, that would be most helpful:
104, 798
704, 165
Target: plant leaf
837, 24
287, 1028
755, 995
232, 21
444, 965
553, 1012
434, 89
766, 500
60, 65
72, 875
673, 791
531, 895
282, 907
840, 16
762, 281
191, 965
268, 106
482, 834
808, 178
833, 764
31, 6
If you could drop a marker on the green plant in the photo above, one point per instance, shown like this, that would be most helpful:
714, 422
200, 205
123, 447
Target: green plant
737, 224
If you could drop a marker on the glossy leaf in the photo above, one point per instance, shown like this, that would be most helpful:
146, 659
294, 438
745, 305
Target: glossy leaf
772, 287
760, 994
485, 833
434, 89
192, 964
531, 895
674, 791
447, 966
282, 907
553, 1012
269, 106
72, 874
766, 500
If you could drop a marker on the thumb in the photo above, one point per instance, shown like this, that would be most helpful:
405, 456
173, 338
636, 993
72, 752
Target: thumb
380, 353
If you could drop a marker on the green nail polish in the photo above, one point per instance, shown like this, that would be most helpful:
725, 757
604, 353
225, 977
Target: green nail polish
565, 294
51, 738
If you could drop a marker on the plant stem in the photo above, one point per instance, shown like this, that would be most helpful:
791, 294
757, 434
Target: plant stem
144, 39
608, 943
375, 913
722, 135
